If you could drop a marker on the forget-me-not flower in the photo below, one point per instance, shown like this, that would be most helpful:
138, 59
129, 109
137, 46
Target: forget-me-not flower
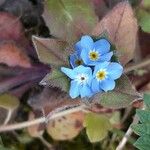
81, 78
104, 76
75, 59
92, 52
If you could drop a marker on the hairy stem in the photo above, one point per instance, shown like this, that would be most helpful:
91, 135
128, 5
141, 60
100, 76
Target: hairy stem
25, 124
138, 66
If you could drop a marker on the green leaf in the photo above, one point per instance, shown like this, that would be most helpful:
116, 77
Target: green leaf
97, 126
56, 79
142, 129
144, 20
51, 51
144, 116
122, 96
69, 19
147, 101
146, 3
143, 143
8, 101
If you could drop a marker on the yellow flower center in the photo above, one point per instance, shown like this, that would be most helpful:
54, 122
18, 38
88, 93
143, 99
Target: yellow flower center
79, 62
93, 55
101, 75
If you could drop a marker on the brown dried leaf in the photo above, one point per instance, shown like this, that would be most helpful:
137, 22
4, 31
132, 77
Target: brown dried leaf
12, 55
66, 127
121, 26
52, 101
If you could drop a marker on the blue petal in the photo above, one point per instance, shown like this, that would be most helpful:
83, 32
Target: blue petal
78, 48
99, 66
69, 72
81, 69
114, 70
95, 86
106, 57
87, 42
102, 45
74, 89
107, 84
85, 56
85, 91
73, 58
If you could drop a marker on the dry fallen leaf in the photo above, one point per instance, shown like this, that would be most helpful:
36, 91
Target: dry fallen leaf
52, 101
66, 127
121, 26
12, 55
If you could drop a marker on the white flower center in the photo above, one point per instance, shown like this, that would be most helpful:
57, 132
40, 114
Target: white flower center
82, 78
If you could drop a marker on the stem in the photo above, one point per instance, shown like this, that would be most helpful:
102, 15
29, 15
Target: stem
127, 135
137, 66
47, 144
25, 124
8, 116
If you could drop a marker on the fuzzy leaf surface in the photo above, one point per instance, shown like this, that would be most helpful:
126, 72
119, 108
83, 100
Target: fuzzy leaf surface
121, 26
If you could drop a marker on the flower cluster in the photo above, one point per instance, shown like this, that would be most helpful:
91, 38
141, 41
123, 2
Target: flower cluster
93, 70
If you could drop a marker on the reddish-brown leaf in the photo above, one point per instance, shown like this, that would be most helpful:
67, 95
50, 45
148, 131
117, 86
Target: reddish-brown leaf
12, 55
121, 26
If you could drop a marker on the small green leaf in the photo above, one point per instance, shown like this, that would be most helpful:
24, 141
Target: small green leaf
97, 126
122, 96
8, 101
56, 79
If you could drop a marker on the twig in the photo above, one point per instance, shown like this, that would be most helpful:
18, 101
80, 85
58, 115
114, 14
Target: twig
25, 124
47, 144
127, 135
138, 66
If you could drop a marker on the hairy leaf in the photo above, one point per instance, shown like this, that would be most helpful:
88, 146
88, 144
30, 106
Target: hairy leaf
143, 128
143, 143
51, 51
97, 126
69, 19
122, 96
56, 79
121, 26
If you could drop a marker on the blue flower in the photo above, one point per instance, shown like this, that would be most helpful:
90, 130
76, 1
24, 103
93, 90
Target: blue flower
104, 75
75, 59
92, 52
81, 78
